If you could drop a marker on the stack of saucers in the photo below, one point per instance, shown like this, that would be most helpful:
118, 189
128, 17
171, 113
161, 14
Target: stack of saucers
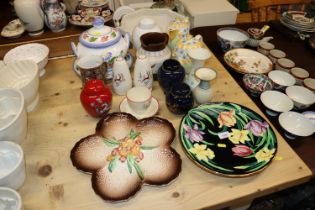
298, 21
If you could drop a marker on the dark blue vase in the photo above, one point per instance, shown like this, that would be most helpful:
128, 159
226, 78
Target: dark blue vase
179, 99
170, 73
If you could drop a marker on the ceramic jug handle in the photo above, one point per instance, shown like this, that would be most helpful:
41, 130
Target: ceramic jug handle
63, 6
74, 49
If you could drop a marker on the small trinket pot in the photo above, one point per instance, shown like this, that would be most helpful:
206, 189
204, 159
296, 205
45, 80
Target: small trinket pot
96, 98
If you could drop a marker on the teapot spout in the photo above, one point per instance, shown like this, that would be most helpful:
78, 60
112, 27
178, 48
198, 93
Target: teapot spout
74, 49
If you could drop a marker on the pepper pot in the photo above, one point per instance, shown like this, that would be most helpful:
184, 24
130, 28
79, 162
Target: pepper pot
96, 98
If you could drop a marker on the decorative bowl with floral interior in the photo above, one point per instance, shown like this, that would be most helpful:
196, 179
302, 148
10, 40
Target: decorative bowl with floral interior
257, 83
246, 61
227, 139
126, 153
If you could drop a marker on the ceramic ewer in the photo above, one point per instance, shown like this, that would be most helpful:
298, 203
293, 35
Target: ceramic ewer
227, 139
127, 153
178, 30
55, 16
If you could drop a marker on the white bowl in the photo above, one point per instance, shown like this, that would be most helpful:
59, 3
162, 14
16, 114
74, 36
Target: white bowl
276, 102
230, 38
12, 173
296, 124
301, 96
10, 199
13, 116
281, 79
22, 75
34, 51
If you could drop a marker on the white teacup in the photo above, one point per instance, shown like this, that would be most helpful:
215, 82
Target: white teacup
139, 99
12, 173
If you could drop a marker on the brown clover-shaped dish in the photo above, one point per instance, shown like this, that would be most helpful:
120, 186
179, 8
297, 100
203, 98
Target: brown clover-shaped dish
126, 153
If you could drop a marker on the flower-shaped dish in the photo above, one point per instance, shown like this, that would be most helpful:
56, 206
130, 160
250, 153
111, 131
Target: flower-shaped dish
227, 139
257, 83
247, 61
126, 153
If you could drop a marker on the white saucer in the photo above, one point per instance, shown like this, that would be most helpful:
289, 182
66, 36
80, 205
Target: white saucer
151, 111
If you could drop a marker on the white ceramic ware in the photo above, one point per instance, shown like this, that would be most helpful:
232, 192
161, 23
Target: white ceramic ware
34, 51
230, 38
310, 84
150, 111
247, 61
142, 74
276, 102
102, 40
301, 96
203, 93
145, 25
162, 18
276, 54
13, 29
265, 47
284, 64
121, 76
296, 124
10, 199
299, 74
139, 99
13, 116
22, 75
310, 115
31, 14
12, 164
281, 79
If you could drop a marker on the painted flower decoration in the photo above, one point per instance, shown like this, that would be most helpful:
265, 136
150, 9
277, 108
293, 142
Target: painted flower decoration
193, 134
264, 154
126, 153
201, 152
256, 127
239, 136
227, 118
241, 150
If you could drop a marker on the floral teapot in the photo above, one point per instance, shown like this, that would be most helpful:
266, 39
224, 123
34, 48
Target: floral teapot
102, 40
180, 52
178, 29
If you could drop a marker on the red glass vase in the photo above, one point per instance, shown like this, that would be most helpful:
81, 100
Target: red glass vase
96, 98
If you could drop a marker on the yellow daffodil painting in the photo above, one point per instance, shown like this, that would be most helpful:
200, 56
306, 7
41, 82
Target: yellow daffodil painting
201, 152
227, 138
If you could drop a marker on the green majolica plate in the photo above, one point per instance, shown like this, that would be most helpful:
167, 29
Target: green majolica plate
227, 139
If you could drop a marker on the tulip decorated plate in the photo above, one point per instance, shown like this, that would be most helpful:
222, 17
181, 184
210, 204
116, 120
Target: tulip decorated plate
227, 139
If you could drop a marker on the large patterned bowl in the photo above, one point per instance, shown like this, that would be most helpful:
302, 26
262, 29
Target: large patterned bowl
230, 38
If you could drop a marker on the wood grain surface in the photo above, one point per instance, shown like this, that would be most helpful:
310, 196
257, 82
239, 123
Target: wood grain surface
59, 121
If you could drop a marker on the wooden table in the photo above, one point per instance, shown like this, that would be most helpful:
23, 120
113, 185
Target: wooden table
59, 121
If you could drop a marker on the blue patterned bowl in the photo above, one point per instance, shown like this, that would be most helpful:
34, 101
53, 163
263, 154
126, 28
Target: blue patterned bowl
230, 38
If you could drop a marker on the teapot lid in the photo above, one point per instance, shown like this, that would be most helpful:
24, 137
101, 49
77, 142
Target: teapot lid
100, 36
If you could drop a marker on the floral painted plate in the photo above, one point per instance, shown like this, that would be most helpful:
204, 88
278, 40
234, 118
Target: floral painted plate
126, 153
247, 61
227, 139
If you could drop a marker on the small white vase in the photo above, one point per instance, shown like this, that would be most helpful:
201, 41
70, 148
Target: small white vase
31, 14
203, 92
145, 25
121, 76
143, 75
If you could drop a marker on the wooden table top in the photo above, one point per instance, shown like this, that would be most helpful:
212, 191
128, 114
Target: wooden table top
59, 121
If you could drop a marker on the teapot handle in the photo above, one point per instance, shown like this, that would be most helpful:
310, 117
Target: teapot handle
74, 49
127, 39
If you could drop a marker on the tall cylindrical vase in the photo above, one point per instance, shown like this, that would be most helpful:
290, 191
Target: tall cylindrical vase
31, 14
121, 76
